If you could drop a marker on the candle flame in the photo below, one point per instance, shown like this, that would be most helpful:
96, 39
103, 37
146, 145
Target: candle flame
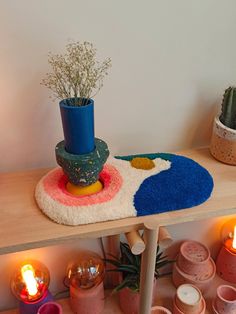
27, 272
234, 238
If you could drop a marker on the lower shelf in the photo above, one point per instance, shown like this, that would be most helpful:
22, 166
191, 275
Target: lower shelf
164, 296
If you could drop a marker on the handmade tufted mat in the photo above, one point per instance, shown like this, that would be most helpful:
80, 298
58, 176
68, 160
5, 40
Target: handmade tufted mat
175, 182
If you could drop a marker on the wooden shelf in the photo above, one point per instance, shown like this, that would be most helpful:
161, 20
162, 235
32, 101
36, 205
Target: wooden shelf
165, 293
23, 226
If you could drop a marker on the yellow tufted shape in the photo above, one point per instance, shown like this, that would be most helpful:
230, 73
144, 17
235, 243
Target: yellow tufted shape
84, 190
142, 163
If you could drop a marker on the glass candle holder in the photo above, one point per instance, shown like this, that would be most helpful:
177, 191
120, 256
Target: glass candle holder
226, 260
29, 284
86, 276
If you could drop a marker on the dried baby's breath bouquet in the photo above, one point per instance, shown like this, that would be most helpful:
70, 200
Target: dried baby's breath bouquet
77, 74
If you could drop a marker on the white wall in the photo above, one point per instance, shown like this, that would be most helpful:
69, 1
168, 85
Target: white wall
171, 62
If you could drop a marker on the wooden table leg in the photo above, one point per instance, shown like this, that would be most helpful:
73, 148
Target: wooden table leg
148, 267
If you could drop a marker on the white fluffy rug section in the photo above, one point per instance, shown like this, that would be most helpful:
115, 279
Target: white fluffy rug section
120, 206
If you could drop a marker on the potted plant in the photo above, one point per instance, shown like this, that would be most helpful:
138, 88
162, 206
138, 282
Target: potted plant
75, 79
129, 266
223, 143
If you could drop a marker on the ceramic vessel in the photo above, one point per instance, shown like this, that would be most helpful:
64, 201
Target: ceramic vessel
87, 301
194, 266
160, 310
225, 301
50, 308
78, 126
226, 265
223, 143
129, 300
184, 306
194, 257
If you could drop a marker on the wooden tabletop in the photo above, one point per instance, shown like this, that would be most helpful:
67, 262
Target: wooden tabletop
23, 226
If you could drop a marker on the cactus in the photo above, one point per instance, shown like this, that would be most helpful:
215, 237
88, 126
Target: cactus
228, 108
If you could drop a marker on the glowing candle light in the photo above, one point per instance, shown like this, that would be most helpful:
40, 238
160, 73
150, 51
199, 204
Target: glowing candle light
234, 238
27, 272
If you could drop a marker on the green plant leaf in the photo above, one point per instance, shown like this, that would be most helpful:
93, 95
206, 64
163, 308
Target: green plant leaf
112, 262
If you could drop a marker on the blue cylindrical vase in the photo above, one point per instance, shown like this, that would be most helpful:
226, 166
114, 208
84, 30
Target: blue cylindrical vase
32, 307
78, 126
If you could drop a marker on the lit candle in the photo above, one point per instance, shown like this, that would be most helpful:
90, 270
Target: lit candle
230, 243
30, 285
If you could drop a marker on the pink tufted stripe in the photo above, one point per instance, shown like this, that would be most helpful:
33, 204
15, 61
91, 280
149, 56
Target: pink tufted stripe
55, 181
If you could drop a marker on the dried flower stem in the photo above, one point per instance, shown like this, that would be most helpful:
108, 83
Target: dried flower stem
76, 74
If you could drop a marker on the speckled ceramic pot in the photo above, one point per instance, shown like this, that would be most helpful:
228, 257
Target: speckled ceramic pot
226, 265
194, 258
225, 301
223, 143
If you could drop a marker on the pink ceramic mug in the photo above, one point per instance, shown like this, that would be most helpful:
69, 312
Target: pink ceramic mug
50, 308
225, 302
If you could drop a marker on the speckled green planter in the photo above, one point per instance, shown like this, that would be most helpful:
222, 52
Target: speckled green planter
82, 169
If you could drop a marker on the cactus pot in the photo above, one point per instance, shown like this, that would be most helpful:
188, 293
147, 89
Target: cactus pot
223, 143
78, 126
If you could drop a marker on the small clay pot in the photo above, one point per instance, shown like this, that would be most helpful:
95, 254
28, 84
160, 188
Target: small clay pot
194, 258
50, 308
198, 307
225, 301
223, 143
160, 310
226, 265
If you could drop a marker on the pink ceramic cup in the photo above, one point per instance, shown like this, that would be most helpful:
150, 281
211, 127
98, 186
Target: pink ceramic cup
225, 302
159, 310
193, 258
50, 308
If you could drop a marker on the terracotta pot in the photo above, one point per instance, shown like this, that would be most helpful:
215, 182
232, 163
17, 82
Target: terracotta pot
194, 258
226, 265
160, 310
50, 308
223, 143
225, 301
197, 306
129, 300
87, 301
